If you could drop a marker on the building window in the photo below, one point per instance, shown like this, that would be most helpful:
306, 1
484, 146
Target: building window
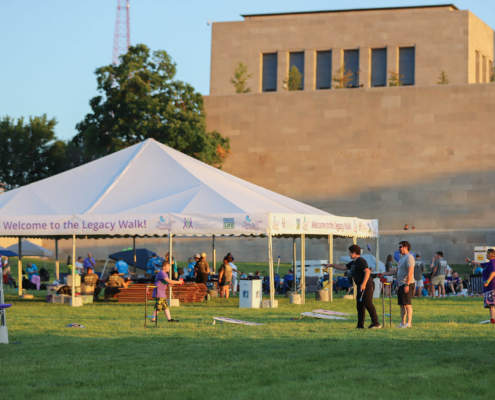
378, 67
477, 67
296, 59
351, 63
269, 83
484, 69
323, 70
407, 65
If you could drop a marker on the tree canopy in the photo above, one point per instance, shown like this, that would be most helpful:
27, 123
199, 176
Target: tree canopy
140, 99
29, 151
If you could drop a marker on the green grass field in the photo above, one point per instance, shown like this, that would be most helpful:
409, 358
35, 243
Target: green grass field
446, 355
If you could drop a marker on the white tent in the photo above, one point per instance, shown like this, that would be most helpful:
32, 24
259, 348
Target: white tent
371, 260
30, 249
150, 189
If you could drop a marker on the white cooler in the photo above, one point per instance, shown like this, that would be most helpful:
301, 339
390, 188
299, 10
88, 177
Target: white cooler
250, 293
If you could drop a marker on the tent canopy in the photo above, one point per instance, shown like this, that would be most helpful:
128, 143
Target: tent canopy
150, 189
370, 259
142, 257
30, 249
7, 253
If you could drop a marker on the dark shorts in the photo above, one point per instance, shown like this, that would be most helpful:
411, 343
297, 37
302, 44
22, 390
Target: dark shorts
224, 284
161, 304
112, 290
403, 297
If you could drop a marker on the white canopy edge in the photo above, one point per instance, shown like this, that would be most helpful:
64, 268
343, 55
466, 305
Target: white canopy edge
228, 224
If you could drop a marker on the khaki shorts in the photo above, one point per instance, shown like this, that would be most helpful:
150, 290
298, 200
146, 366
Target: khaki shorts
161, 304
438, 280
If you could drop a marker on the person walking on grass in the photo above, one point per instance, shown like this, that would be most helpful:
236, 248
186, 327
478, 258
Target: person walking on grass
488, 281
419, 268
366, 286
160, 292
405, 279
225, 278
438, 267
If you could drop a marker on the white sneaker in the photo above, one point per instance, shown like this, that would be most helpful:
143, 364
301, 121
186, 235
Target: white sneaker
400, 325
406, 326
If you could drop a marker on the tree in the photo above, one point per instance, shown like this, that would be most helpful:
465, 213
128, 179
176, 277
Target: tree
293, 81
342, 78
240, 79
140, 99
29, 151
395, 79
442, 79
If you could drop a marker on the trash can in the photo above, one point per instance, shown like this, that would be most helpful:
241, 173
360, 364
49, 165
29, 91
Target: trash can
250, 294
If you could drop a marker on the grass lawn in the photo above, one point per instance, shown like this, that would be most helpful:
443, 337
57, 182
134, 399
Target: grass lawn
446, 355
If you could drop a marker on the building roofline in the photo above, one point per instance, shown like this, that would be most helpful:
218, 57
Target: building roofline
350, 10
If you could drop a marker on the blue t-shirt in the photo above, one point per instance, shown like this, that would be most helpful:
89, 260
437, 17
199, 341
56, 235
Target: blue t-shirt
488, 268
32, 271
190, 267
479, 270
122, 267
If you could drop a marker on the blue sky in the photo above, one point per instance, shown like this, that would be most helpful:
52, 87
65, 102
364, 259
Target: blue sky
52, 47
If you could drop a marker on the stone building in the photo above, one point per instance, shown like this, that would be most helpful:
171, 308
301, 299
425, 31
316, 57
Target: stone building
417, 154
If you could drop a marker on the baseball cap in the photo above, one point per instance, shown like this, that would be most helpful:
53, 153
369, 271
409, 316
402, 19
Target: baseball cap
154, 254
418, 255
197, 256
203, 254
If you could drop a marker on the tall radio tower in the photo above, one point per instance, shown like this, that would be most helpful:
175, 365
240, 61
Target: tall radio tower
122, 38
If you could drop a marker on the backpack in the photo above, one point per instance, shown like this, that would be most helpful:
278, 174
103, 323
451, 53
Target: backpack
65, 290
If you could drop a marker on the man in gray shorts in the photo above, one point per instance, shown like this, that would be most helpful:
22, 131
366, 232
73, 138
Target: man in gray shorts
438, 267
419, 269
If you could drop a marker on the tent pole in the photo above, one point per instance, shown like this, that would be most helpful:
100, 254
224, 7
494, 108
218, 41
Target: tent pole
171, 261
214, 255
134, 251
377, 254
19, 268
303, 269
272, 275
73, 289
294, 263
57, 263
330, 270
354, 288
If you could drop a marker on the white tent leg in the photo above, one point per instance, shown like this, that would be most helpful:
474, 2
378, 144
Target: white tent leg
214, 256
73, 270
171, 261
57, 263
134, 252
303, 269
354, 288
19, 269
294, 271
102, 272
377, 254
330, 270
272, 275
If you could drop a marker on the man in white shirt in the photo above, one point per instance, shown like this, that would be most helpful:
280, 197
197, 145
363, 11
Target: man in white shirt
405, 279
234, 273
79, 266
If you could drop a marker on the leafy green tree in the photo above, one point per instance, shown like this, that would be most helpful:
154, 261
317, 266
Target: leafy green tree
140, 99
395, 79
442, 79
29, 151
294, 79
240, 78
342, 78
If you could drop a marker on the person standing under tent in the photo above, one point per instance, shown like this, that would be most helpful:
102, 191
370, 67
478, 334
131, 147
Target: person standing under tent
174, 269
361, 274
202, 269
89, 261
123, 268
234, 273
405, 279
438, 267
488, 276
225, 278
419, 268
79, 266
160, 292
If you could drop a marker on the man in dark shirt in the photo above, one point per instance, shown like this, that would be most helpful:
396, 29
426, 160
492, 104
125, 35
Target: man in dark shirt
366, 286
114, 283
92, 279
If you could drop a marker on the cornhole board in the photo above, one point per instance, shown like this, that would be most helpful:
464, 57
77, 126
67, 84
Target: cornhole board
320, 316
234, 321
328, 312
485, 322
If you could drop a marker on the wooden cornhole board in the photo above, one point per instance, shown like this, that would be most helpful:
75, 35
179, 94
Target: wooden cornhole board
234, 321
328, 312
321, 316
